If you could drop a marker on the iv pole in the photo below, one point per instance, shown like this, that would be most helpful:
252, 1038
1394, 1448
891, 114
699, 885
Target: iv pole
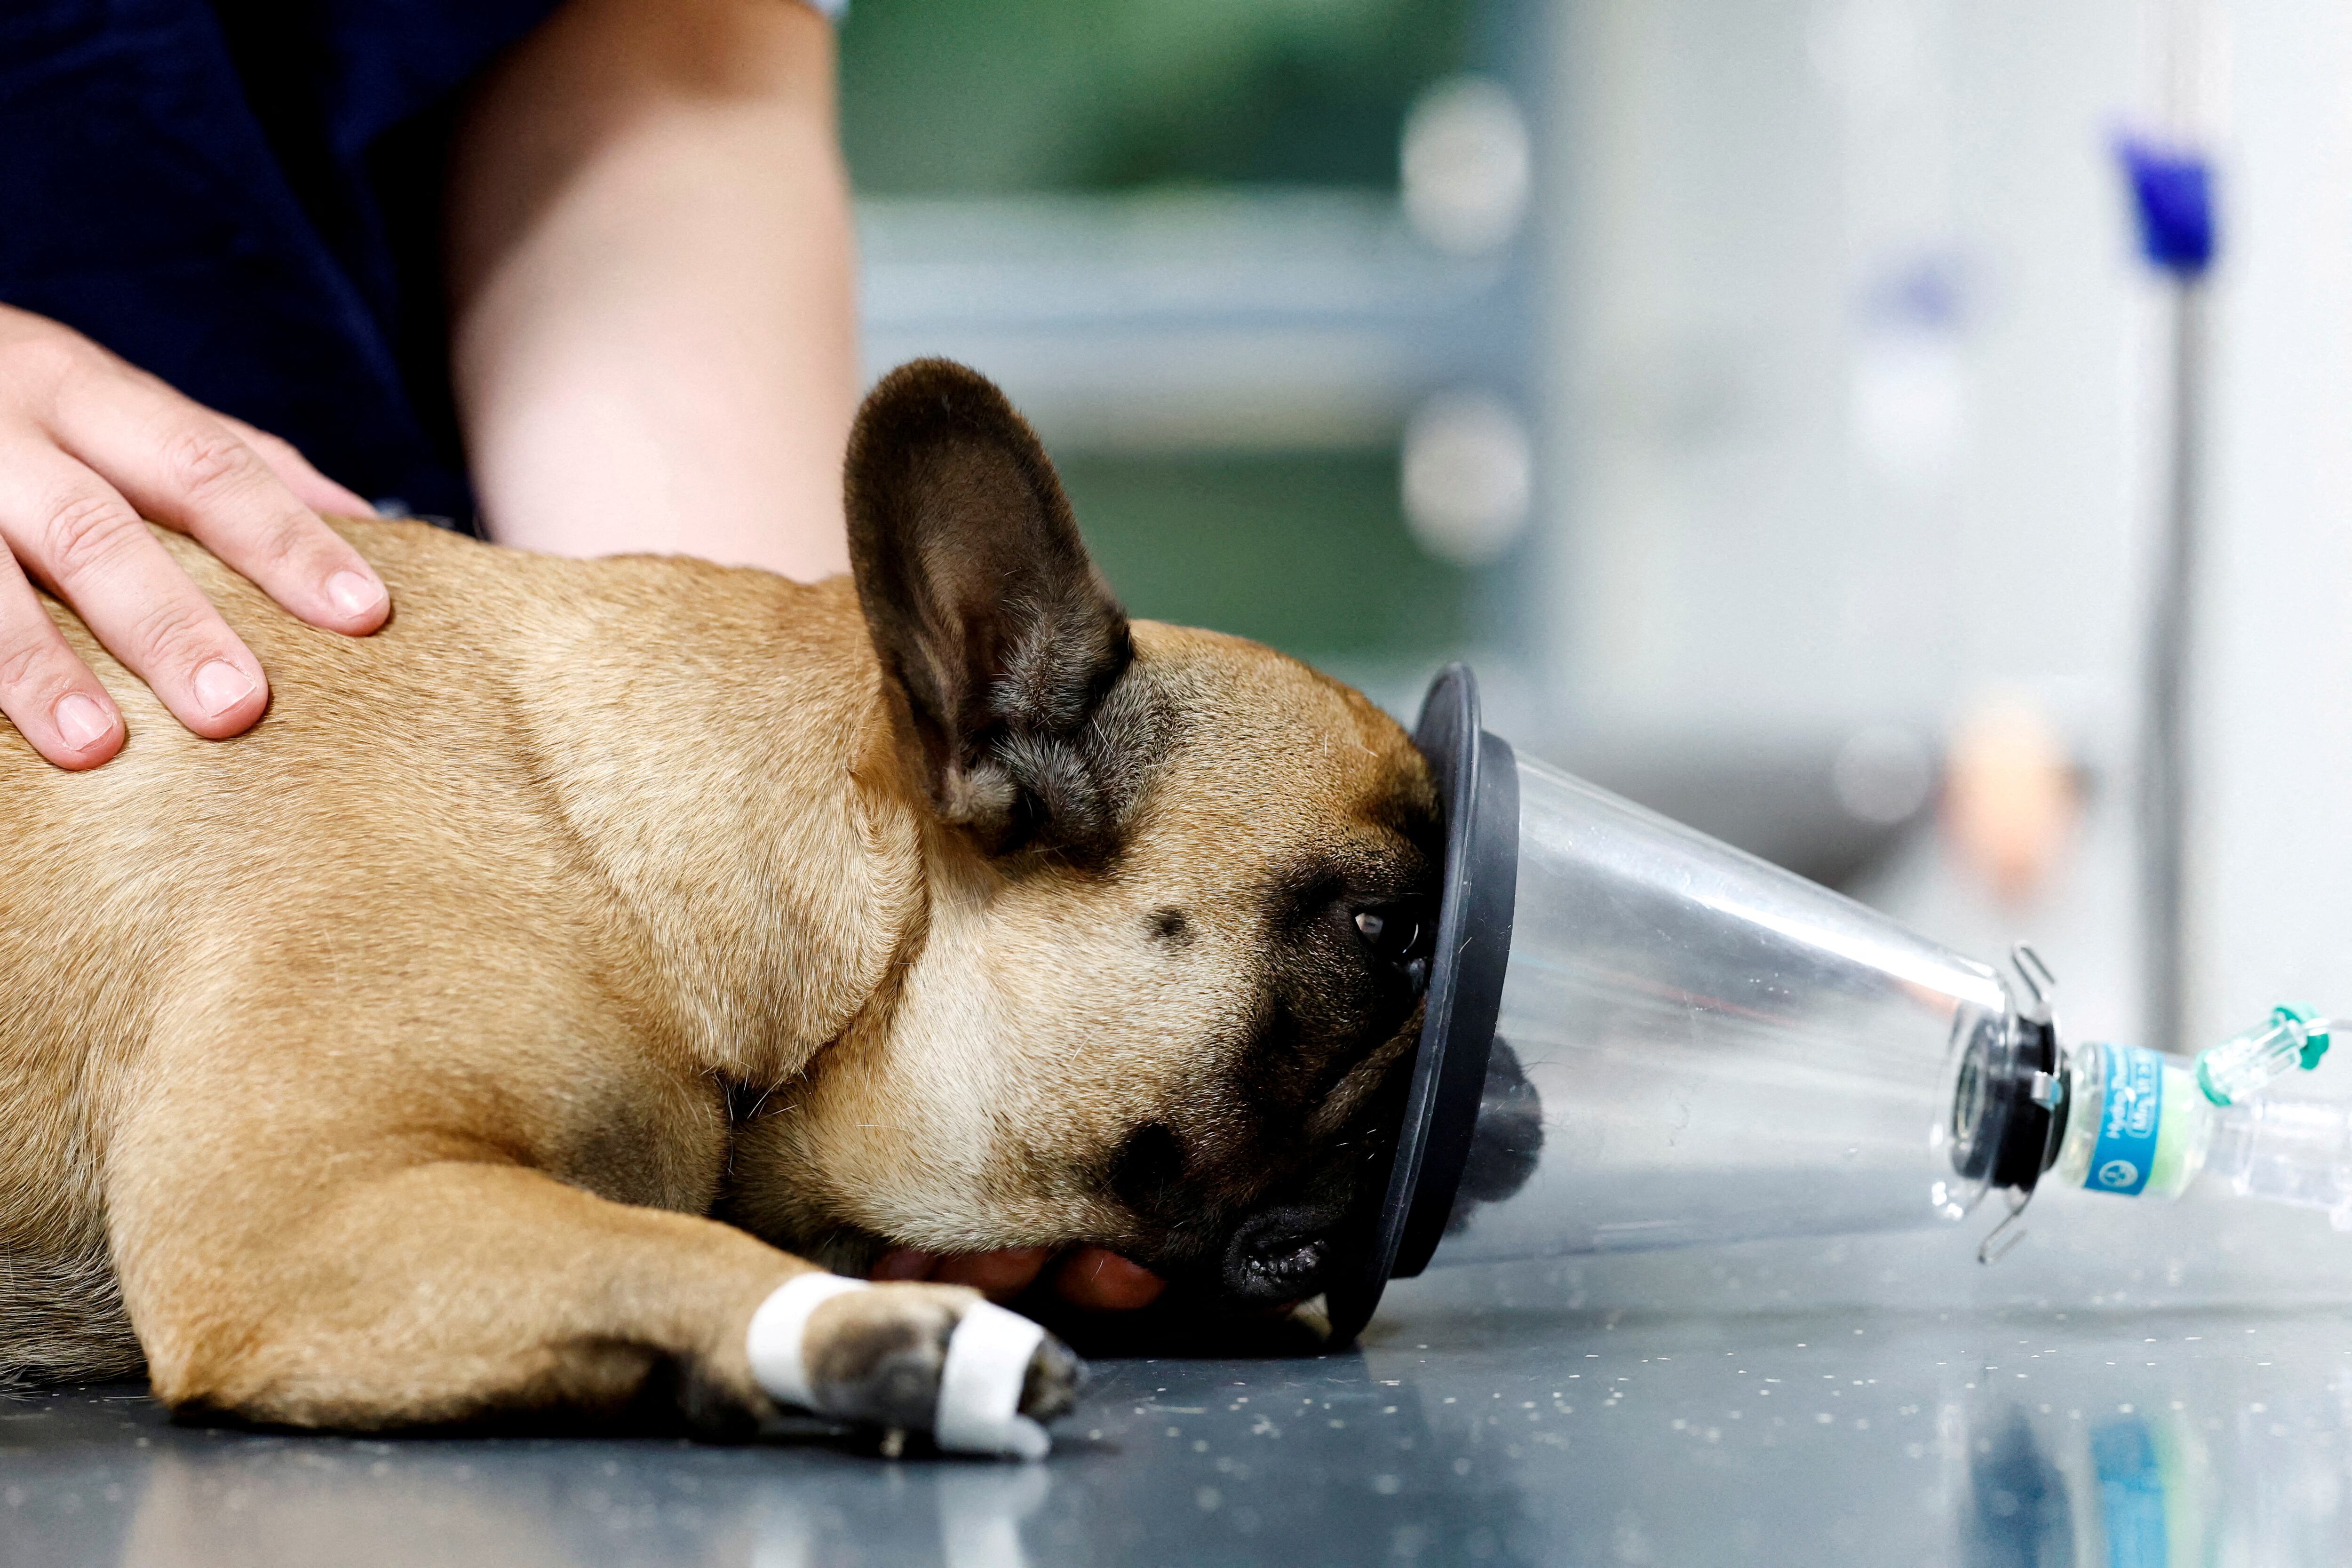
2172, 191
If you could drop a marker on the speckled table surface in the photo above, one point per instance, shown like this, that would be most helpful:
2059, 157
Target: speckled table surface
1462, 1431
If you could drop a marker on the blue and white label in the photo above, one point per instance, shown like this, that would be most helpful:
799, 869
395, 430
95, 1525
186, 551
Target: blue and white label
2126, 1152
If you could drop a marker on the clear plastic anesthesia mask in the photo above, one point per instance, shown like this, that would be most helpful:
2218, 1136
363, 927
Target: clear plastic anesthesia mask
1637, 1037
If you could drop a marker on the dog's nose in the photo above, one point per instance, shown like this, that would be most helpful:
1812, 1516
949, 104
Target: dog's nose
1277, 1256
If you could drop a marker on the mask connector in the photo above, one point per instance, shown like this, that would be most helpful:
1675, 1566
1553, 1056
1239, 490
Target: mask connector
2008, 1101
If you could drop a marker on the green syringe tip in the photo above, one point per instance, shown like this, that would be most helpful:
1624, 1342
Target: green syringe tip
2315, 1032
2237, 1069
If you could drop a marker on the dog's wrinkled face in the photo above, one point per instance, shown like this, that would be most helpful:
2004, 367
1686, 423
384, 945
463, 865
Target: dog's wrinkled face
1182, 892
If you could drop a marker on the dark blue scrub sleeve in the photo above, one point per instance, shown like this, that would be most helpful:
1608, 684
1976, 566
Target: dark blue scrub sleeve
245, 198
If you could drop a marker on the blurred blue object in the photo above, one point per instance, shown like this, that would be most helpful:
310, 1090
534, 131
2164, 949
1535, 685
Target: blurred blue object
2172, 191
2131, 1493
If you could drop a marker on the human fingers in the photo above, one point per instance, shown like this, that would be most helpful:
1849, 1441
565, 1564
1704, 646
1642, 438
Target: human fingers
180, 464
51, 697
311, 488
1000, 1276
1101, 1280
70, 529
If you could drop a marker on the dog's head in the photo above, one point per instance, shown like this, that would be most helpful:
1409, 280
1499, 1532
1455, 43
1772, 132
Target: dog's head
1181, 893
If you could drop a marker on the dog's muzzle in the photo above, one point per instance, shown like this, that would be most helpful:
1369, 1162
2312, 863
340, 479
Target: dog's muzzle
1278, 1256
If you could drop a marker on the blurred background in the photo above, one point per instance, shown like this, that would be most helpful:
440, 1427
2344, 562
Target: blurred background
1767, 396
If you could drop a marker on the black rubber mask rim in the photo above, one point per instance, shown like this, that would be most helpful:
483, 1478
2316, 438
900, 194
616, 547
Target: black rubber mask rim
1410, 1197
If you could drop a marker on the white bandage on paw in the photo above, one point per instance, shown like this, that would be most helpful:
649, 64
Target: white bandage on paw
980, 1388
774, 1340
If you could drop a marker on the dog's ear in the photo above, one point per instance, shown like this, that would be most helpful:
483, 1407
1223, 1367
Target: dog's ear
987, 613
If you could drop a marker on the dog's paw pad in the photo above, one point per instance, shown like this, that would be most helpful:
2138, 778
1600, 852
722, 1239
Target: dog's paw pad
928, 1358
1054, 1377
876, 1356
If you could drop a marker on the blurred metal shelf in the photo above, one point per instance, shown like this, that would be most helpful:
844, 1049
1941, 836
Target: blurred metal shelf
1251, 320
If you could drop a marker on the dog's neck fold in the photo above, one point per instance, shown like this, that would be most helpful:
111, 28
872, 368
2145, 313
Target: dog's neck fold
742, 800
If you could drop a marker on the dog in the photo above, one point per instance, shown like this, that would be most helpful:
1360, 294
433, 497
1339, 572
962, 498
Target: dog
551, 979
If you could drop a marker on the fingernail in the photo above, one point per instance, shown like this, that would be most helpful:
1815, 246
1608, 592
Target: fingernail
353, 594
82, 722
221, 686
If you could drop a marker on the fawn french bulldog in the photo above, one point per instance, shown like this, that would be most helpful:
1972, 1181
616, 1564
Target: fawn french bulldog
524, 1018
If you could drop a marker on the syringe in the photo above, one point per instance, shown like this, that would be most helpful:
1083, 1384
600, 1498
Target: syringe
2142, 1124
2243, 1065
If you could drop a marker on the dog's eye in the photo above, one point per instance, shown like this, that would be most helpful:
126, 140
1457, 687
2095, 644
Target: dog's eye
1399, 936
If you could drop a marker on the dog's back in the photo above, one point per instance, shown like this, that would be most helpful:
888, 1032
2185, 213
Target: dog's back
128, 894
102, 877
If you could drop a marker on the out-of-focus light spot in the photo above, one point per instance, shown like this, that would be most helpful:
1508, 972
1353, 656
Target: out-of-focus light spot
1465, 166
1468, 476
1910, 405
1882, 773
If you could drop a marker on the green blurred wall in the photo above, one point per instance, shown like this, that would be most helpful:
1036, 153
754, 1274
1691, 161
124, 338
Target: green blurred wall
1307, 550
964, 96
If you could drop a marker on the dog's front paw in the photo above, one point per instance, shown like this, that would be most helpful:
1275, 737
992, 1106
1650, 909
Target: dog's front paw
911, 1357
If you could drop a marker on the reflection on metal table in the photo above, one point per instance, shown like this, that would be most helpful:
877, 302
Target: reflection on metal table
1802, 1429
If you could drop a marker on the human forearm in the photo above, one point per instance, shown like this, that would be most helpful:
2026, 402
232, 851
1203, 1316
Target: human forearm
654, 331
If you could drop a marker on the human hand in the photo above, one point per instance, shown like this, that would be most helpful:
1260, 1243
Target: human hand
89, 447
1090, 1277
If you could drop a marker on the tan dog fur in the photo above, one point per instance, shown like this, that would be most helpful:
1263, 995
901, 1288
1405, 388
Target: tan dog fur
375, 1068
